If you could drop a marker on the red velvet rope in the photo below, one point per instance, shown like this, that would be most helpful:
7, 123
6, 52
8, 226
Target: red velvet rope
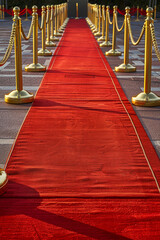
22, 12
133, 11
122, 12
142, 12
29, 11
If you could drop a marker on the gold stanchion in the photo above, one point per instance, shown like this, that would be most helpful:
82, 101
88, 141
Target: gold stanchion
55, 25
137, 20
35, 66
66, 12
126, 66
65, 16
147, 98
77, 11
52, 37
3, 181
0, 11
49, 43
3, 12
95, 29
113, 51
97, 34
59, 20
61, 30
44, 51
89, 18
57, 34
106, 43
19, 95
155, 10
63, 23
93, 25
26, 19
102, 38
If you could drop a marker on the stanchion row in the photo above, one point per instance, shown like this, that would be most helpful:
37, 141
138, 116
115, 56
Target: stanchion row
99, 19
54, 19
138, 11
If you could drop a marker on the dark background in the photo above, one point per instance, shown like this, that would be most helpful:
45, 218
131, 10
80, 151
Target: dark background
121, 3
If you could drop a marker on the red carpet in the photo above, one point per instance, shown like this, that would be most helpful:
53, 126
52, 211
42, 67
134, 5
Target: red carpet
82, 166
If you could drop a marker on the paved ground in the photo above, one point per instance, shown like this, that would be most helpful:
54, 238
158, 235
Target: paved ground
12, 116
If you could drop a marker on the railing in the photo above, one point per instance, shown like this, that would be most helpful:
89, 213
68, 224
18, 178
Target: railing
146, 98
19, 96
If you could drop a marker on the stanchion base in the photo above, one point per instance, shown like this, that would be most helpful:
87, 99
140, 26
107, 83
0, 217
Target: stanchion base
26, 19
92, 27
63, 28
105, 44
97, 34
113, 53
35, 68
57, 34
137, 20
19, 97
102, 38
44, 52
94, 30
50, 44
125, 68
55, 39
76, 17
61, 31
146, 100
3, 181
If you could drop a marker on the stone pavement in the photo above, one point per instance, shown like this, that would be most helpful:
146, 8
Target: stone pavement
12, 116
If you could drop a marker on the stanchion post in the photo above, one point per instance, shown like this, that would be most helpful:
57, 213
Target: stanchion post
64, 21
61, 19
43, 51
58, 13
137, 20
3, 11
113, 51
126, 66
91, 19
35, 66
76, 11
52, 22
102, 38
3, 181
93, 26
53, 37
155, 11
19, 95
49, 43
95, 29
0, 11
97, 34
147, 98
107, 43
26, 19
58, 34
